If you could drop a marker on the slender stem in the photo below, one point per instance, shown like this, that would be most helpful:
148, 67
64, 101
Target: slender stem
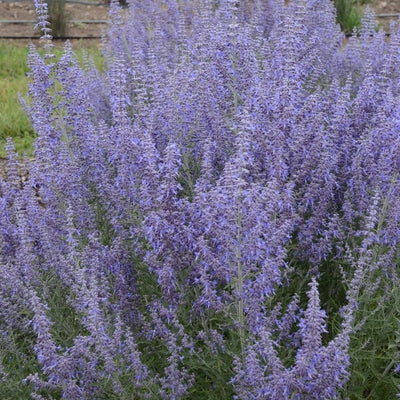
239, 280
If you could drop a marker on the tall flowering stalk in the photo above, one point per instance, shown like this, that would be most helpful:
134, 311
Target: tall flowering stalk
43, 24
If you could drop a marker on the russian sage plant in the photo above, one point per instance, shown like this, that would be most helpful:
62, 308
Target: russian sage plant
216, 215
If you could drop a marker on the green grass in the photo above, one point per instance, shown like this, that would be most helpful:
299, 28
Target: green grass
349, 13
14, 122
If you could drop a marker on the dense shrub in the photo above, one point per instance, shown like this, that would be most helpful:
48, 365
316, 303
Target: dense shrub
215, 216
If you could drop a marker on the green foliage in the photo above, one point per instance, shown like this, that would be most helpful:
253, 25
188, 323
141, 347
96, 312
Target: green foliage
375, 350
19, 360
349, 13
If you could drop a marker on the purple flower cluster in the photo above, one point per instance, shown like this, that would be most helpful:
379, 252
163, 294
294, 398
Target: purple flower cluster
183, 201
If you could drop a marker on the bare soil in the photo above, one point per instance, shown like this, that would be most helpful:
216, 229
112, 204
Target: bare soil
386, 7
